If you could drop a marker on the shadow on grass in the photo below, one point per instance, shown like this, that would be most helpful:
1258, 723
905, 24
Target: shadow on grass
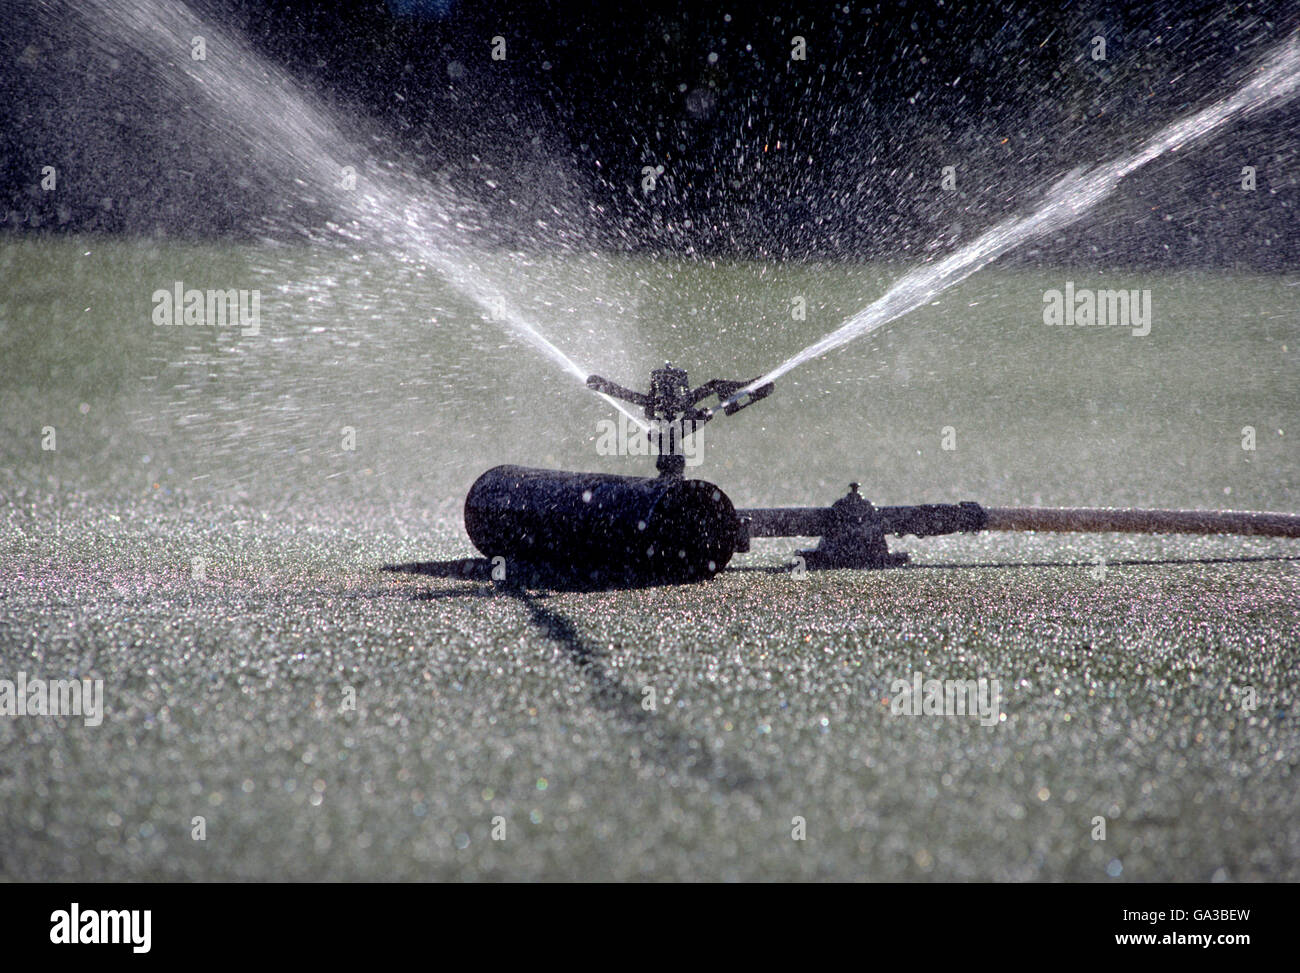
658, 741
534, 576
542, 580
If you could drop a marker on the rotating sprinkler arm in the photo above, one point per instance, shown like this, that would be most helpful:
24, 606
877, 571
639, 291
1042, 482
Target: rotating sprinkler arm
724, 389
673, 402
671, 399
598, 384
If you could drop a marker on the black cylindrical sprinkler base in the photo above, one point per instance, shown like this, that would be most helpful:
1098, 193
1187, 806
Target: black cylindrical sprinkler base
599, 525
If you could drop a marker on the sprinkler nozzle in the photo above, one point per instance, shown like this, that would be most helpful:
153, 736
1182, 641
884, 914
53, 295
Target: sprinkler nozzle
672, 400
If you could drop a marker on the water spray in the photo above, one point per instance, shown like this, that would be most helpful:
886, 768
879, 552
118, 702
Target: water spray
676, 529
1274, 83
256, 105
668, 527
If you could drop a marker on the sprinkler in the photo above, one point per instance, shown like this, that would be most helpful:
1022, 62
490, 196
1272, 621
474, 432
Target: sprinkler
633, 529
671, 403
626, 527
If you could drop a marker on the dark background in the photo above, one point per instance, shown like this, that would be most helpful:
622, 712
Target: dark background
838, 155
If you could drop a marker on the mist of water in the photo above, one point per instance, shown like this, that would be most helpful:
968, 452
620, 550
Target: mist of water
1276, 81
246, 102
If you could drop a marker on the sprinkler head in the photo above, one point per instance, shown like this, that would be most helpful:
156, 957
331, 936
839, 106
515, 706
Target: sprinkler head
672, 403
670, 392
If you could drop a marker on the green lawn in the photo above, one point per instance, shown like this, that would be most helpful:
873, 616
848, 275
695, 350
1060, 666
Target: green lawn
1124, 695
